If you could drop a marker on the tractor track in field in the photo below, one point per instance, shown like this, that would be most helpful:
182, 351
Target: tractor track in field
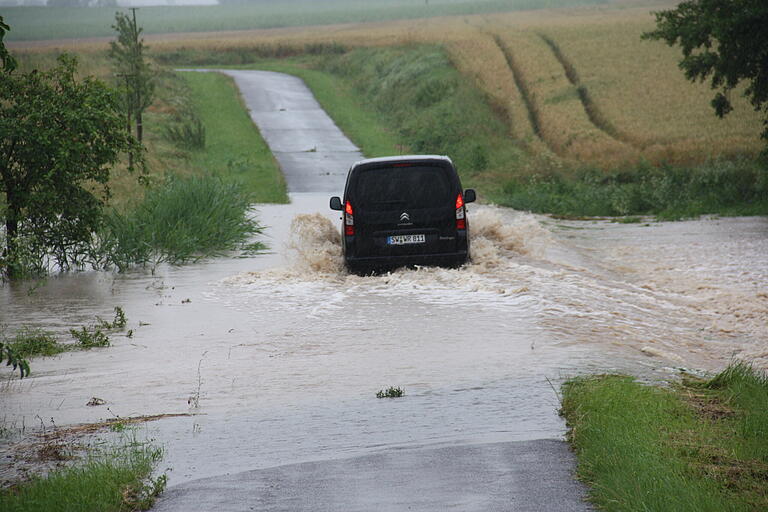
595, 115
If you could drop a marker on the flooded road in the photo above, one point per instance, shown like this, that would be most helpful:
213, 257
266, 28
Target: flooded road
284, 352
278, 356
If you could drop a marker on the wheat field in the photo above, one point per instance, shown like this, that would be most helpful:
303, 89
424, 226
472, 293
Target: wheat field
575, 84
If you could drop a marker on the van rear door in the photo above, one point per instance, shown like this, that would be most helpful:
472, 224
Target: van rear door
404, 209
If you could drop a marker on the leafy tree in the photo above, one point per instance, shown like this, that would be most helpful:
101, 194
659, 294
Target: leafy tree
724, 40
7, 62
58, 139
127, 54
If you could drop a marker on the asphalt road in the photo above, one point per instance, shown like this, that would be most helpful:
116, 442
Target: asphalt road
509, 476
313, 153
526, 476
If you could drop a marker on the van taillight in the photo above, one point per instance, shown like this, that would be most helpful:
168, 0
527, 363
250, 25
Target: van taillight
461, 221
349, 220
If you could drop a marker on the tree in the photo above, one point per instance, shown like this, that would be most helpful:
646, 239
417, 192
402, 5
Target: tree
59, 138
127, 54
7, 62
724, 40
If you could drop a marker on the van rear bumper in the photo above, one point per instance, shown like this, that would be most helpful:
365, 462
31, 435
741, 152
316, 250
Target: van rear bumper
378, 263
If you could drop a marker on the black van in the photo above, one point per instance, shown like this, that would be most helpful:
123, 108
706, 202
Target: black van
404, 210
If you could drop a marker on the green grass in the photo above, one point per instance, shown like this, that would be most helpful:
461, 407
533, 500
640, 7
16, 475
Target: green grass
417, 94
117, 479
183, 220
411, 99
38, 23
234, 149
701, 447
746, 390
28, 342
725, 187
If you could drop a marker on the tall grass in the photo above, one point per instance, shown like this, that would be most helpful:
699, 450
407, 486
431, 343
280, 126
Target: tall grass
746, 389
184, 220
113, 480
421, 97
645, 448
724, 187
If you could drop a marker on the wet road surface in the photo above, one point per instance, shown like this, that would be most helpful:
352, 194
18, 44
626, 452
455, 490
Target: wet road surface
313, 153
278, 356
527, 476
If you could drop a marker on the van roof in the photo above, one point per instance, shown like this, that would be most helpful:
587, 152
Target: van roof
402, 158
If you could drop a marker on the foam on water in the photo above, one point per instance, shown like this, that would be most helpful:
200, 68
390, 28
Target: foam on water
576, 282
288, 348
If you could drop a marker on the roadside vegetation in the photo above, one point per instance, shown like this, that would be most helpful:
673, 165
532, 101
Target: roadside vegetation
28, 342
701, 445
113, 479
182, 220
390, 392
201, 149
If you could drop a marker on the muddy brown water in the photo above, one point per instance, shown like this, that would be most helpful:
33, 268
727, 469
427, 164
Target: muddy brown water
280, 355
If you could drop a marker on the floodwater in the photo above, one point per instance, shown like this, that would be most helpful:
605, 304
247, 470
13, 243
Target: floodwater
279, 356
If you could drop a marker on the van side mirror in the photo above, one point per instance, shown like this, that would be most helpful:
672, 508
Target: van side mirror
469, 195
336, 203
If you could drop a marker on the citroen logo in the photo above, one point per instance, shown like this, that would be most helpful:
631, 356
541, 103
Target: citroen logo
404, 217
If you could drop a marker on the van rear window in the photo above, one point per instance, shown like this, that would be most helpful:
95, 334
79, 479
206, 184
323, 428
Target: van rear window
382, 189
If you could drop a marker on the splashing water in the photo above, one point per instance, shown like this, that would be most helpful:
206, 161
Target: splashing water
579, 286
315, 245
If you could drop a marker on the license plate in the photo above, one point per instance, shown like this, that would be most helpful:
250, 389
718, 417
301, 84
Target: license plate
405, 239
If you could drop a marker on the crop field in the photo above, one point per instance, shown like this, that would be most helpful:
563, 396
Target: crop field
575, 88
576, 84
38, 23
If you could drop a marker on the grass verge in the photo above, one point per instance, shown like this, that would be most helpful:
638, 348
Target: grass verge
234, 149
115, 479
700, 446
